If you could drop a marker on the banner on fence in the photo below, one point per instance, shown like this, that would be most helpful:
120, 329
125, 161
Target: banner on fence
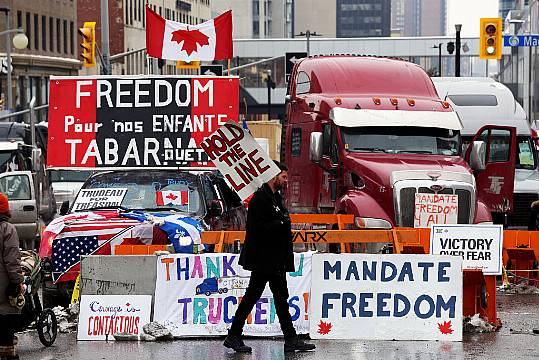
102, 316
480, 246
386, 297
240, 158
198, 295
136, 121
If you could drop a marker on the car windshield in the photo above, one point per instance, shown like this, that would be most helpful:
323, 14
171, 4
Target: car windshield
401, 140
70, 175
148, 190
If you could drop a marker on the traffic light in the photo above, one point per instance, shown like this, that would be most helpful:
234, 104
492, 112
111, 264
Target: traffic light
88, 43
450, 47
490, 38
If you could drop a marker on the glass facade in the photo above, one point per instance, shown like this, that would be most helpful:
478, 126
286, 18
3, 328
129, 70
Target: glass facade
363, 18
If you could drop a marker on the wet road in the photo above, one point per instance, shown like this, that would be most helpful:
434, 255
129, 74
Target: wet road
517, 312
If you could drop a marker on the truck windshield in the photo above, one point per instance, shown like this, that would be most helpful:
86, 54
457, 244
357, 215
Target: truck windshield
147, 190
401, 140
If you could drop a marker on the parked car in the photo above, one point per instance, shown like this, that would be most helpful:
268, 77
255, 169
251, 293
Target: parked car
480, 101
208, 199
66, 184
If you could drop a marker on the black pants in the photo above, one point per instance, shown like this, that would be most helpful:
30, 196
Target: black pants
7, 329
532, 221
279, 288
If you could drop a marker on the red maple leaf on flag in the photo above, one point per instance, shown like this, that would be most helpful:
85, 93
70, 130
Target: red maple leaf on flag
445, 328
190, 38
324, 328
171, 196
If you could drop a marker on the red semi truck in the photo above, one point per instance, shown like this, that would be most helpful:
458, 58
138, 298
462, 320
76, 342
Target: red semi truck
369, 136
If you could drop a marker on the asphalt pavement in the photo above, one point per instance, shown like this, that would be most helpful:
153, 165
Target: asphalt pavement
519, 314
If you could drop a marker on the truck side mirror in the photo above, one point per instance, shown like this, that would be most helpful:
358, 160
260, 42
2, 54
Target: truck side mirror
64, 208
478, 155
287, 99
315, 149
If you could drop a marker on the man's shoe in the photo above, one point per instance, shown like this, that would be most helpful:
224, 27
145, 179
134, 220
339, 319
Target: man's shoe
236, 343
296, 344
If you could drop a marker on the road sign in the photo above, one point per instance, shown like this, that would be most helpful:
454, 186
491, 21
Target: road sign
211, 70
3, 66
521, 40
290, 60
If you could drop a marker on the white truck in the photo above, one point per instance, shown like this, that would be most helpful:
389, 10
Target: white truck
479, 101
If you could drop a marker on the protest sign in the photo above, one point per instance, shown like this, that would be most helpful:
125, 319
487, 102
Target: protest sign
386, 297
99, 198
136, 121
240, 158
480, 246
198, 295
435, 209
102, 316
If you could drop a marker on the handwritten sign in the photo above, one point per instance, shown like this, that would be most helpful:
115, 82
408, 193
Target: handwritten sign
102, 316
99, 198
386, 297
480, 246
435, 209
239, 157
197, 295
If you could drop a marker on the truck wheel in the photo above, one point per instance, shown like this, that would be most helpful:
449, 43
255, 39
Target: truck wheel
484, 296
220, 291
197, 291
207, 293
225, 290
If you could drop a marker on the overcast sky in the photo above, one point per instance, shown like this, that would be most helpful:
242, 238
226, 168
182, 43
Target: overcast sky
468, 13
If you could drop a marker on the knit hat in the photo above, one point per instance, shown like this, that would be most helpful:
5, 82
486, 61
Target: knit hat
4, 204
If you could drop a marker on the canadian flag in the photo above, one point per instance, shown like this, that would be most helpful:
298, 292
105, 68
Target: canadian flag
172, 198
211, 40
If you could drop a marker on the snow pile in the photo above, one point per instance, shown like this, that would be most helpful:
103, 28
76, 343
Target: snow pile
150, 332
67, 317
475, 324
521, 288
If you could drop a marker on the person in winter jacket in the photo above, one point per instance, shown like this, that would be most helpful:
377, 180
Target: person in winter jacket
269, 255
11, 281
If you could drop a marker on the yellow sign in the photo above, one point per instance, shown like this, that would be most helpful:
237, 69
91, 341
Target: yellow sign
76, 291
187, 65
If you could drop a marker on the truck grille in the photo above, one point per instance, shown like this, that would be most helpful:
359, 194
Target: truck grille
406, 204
521, 209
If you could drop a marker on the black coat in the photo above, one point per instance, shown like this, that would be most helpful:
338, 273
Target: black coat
268, 236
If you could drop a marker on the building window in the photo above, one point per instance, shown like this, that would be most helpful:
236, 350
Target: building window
44, 33
65, 36
19, 20
28, 30
36, 31
73, 37
135, 8
130, 12
126, 13
58, 40
51, 34
140, 10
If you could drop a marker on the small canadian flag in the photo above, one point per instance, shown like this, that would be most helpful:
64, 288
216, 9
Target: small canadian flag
211, 40
172, 198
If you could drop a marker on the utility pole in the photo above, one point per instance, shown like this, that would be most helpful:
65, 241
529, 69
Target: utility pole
308, 35
458, 27
439, 47
106, 70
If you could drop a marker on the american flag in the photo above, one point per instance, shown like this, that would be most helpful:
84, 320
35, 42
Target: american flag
86, 236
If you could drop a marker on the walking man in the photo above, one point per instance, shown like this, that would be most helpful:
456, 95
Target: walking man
268, 254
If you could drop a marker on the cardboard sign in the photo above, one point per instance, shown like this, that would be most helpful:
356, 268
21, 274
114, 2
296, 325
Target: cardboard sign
199, 294
480, 246
102, 316
136, 121
239, 157
435, 209
99, 198
386, 297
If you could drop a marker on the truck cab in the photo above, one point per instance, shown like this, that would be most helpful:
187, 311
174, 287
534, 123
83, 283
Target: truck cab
369, 136
480, 101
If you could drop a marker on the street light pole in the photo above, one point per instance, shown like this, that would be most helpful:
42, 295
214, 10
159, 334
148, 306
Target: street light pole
105, 37
439, 47
458, 27
9, 94
308, 35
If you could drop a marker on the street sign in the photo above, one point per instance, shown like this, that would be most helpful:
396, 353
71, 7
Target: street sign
211, 70
521, 40
290, 60
3, 66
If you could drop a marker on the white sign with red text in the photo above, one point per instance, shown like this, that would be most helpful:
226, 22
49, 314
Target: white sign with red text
435, 209
239, 157
102, 316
